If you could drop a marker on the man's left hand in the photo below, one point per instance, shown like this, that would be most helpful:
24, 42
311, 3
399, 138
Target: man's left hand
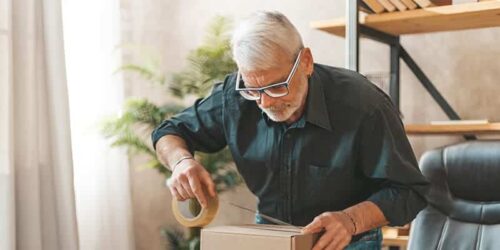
338, 229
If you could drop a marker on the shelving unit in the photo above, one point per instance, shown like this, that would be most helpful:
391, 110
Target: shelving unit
387, 28
434, 19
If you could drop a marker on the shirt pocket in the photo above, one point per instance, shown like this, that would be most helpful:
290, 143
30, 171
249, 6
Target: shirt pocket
316, 182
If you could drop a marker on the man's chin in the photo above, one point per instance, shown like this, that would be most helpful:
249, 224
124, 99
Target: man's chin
277, 117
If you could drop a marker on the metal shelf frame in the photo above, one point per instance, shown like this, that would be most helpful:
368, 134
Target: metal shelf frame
354, 30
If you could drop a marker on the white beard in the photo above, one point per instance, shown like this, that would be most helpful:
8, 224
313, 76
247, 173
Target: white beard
280, 115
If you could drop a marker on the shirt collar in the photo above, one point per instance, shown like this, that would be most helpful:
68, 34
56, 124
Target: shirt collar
316, 109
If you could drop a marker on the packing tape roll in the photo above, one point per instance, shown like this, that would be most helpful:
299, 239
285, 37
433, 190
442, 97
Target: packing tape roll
184, 212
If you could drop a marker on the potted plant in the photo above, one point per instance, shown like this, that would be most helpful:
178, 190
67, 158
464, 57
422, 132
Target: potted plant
207, 64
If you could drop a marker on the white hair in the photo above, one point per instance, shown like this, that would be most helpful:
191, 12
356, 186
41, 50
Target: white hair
258, 40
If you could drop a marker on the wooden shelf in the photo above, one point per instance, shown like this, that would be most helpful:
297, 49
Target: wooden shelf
422, 129
392, 237
433, 19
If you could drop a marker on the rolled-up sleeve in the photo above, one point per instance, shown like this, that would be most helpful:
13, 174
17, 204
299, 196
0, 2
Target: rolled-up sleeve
388, 160
200, 125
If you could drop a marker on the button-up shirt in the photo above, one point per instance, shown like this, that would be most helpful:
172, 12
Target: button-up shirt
349, 146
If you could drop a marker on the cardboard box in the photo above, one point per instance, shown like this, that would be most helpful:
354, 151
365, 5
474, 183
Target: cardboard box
252, 237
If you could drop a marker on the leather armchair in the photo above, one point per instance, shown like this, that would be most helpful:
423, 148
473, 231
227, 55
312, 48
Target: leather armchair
464, 200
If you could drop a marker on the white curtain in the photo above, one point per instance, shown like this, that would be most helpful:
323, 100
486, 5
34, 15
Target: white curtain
103, 197
37, 208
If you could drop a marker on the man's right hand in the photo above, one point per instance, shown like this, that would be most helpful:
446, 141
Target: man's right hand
189, 180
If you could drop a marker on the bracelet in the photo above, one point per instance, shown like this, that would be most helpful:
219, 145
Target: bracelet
180, 160
352, 220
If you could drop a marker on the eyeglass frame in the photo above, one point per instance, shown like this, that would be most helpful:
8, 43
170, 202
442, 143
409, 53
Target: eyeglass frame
261, 90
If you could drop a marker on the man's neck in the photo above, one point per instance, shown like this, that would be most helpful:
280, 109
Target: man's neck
295, 116
300, 111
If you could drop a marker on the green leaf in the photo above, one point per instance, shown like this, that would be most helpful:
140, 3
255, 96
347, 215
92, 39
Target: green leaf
207, 64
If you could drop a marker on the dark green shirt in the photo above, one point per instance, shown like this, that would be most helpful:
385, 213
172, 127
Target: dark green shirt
349, 146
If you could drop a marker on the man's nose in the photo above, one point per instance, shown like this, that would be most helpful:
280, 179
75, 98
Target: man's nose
266, 101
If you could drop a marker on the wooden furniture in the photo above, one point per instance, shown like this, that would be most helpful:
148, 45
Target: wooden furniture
433, 19
399, 241
428, 129
395, 236
387, 27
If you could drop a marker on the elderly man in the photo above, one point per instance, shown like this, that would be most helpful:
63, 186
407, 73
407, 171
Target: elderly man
320, 146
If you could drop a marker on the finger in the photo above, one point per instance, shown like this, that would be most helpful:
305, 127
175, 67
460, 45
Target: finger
178, 183
175, 193
333, 245
338, 243
187, 187
198, 191
324, 240
173, 185
341, 238
183, 193
209, 183
315, 226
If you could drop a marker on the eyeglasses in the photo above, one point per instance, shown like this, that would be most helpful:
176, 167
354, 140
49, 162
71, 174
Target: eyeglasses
274, 90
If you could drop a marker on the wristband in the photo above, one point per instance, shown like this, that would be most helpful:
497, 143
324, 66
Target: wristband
180, 160
352, 220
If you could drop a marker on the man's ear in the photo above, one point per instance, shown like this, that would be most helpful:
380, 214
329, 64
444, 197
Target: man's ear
307, 60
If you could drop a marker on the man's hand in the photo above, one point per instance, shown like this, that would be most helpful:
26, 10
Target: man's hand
338, 229
190, 179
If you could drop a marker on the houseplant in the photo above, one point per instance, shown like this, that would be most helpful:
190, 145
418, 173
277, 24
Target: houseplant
207, 64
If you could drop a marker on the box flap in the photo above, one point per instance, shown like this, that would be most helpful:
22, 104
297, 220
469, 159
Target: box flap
255, 229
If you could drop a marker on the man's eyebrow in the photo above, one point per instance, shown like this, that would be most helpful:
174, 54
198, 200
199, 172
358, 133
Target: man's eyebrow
269, 84
280, 80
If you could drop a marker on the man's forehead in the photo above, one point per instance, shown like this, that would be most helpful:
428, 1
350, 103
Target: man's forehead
262, 78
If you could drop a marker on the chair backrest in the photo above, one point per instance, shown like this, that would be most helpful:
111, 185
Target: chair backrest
464, 200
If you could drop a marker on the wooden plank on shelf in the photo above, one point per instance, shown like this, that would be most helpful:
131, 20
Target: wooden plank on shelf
433, 19
400, 241
391, 237
422, 129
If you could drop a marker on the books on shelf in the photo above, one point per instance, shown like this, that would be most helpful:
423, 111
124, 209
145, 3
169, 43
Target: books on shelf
441, 2
374, 5
380, 6
399, 5
365, 8
423, 3
387, 5
410, 4
430, 3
